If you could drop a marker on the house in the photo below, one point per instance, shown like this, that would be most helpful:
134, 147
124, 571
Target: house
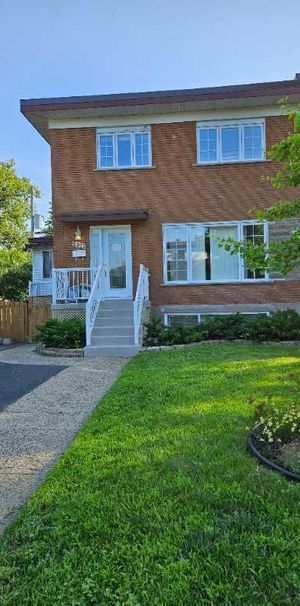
144, 186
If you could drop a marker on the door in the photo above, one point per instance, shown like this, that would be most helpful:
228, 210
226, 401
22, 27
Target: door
116, 255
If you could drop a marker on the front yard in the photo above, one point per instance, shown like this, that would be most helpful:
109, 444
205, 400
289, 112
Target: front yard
157, 502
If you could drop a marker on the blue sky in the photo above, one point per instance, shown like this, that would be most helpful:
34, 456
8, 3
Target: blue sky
74, 47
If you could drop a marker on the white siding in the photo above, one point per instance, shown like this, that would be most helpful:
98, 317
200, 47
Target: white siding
37, 265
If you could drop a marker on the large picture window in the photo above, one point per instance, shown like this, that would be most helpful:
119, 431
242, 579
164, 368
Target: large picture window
124, 148
192, 252
234, 141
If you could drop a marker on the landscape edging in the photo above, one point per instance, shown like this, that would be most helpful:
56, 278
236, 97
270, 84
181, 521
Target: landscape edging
290, 475
59, 352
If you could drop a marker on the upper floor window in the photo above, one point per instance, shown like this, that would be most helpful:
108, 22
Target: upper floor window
234, 141
192, 252
124, 148
47, 263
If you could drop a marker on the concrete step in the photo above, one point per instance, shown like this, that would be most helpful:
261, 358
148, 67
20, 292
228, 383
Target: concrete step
116, 351
113, 317
105, 330
115, 321
116, 304
109, 340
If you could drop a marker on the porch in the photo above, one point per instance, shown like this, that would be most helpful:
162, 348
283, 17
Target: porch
113, 323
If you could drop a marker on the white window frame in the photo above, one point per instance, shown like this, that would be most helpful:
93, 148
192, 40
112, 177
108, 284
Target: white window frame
218, 125
129, 130
189, 280
202, 315
50, 252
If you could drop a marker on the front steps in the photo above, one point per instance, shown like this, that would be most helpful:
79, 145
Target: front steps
113, 331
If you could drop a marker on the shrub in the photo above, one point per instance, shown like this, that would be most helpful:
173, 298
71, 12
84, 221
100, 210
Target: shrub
154, 329
232, 326
14, 283
67, 334
280, 326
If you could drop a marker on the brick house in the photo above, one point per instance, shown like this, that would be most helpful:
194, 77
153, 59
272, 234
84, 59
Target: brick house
151, 181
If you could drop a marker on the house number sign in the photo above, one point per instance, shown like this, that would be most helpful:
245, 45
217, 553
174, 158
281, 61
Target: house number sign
78, 249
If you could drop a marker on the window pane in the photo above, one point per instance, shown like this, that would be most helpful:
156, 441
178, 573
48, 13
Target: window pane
106, 150
116, 260
253, 147
223, 265
197, 239
142, 149
207, 144
230, 143
255, 234
186, 320
124, 149
176, 254
47, 264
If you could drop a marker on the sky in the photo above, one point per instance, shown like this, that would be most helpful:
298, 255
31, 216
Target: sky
59, 48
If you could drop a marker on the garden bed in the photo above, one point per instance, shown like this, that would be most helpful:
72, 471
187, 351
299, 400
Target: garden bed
271, 456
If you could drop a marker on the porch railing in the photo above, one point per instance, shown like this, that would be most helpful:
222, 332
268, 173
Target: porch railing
142, 295
72, 285
96, 296
41, 288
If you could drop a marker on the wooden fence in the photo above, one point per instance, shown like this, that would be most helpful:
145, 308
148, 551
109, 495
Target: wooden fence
18, 320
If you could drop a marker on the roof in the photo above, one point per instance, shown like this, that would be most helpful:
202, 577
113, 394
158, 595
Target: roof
39, 111
40, 243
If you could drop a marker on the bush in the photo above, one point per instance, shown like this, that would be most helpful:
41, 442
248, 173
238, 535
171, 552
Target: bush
232, 326
67, 334
279, 326
14, 283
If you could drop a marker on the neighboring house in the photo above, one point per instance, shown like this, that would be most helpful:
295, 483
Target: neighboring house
153, 180
41, 248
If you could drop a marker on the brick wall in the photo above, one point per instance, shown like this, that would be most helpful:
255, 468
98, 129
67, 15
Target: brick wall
175, 190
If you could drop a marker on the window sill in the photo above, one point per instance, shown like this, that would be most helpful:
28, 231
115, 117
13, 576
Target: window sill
132, 168
224, 282
203, 164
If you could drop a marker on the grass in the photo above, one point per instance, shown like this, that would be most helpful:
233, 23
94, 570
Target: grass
157, 502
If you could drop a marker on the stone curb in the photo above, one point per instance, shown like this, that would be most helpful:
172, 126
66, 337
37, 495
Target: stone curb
58, 352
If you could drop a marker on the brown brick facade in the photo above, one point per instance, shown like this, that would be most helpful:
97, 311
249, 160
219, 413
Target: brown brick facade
175, 190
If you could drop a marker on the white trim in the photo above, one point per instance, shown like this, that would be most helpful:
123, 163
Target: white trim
114, 132
189, 281
167, 118
127, 228
221, 124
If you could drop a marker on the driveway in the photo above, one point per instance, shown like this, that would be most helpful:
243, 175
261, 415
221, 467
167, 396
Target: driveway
18, 379
44, 403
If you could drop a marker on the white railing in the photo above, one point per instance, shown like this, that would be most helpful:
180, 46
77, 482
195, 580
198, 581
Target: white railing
41, 288
72, 285
142, 295
91, 308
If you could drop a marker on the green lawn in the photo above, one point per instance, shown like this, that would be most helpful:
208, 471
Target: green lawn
157, 502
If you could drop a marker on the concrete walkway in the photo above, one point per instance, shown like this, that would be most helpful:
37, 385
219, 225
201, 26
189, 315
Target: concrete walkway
37, 428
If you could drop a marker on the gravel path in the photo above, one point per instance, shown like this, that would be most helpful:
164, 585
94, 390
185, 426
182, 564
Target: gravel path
37, 428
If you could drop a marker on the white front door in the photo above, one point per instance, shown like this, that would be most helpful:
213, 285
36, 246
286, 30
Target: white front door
117, 262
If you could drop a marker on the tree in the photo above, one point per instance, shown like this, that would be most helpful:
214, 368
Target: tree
14, 283
277, 256
15, 193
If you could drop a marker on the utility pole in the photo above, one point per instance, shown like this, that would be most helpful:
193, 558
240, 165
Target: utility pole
31, 214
